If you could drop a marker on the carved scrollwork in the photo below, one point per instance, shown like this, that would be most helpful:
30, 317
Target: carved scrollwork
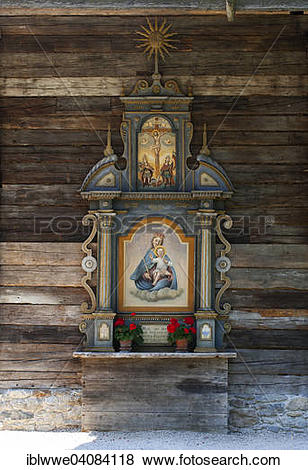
140, 85
87, 220
124, 131
223, 264
189, 130
172, 85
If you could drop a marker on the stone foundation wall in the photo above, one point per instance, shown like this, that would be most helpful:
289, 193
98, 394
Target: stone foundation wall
40, 410
274, 412
60, 409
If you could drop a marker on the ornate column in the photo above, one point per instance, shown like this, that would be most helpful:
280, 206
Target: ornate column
104, 254
97, 324
206, 315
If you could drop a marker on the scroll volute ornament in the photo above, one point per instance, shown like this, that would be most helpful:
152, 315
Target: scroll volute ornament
89, 263
223, 263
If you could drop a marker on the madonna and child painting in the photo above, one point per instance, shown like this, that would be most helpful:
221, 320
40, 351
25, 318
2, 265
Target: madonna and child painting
156, 269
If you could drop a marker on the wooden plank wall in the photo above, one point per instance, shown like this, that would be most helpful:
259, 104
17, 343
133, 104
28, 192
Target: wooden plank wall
190, 394
60, 82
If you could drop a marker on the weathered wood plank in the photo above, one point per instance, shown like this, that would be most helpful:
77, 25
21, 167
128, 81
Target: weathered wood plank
98, 138
120, 25
266, 384
155, 371
47, 195
243, 105
267, 339
43, 295
40, 380
70, 276
60, 315
132, 421
255, 320
261, 278
102, 85
260, 196
185, 382
34, 254
23, 169
252, 298
269, 256
57, 276
84, 18
269, 362
193, 397
38, 357
259, 154
40, 334
101, 121
70, 254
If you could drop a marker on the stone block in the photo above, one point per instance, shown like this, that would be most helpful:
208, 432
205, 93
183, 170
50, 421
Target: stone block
243, 418
298, 403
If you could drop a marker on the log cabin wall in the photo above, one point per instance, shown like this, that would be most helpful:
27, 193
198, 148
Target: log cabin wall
61, 79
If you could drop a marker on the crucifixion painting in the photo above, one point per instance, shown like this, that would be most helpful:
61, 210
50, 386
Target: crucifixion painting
156, 154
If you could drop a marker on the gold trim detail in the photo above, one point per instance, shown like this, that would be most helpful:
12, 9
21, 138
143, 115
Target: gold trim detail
108, 150
87, 219
98, 195
100, 316
205, 148
223, 277
82, 327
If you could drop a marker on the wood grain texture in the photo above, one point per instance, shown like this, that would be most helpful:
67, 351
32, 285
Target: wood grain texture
191, 392
48, 145
15, 83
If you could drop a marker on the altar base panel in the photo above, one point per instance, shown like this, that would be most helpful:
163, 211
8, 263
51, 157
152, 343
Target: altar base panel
155, 391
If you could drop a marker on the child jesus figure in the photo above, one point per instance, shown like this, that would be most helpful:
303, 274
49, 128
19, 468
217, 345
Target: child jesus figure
161, 269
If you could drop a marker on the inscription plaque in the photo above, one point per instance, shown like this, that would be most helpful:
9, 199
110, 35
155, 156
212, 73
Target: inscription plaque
155, 334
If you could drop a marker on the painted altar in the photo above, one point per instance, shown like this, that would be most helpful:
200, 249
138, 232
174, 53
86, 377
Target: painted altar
156, 212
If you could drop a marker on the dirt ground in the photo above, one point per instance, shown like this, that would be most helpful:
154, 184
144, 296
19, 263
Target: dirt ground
154, 440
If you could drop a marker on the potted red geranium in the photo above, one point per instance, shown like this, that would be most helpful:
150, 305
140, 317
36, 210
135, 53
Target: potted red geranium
181, 333
127, 334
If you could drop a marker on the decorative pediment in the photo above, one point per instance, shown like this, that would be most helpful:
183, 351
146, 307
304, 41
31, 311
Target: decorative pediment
156, 131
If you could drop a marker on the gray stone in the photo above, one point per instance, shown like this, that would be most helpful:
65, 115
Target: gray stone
274, 428
40, 410
238, 403
243, 418
298, 403
294, 414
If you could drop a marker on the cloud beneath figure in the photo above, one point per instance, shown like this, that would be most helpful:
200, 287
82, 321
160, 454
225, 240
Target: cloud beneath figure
154, 296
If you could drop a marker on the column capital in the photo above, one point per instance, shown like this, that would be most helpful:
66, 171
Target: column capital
206, 218
105, 219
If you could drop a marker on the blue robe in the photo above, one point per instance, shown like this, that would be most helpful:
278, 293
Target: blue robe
145, 265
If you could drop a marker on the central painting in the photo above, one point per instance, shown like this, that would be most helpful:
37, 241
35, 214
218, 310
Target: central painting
156, 268
156, 154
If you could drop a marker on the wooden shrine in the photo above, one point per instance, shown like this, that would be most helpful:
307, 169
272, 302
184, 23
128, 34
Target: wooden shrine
156, 212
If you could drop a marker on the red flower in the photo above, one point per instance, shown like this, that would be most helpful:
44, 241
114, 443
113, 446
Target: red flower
132, 326
193, 330
119, 322
133, 314
171, 328
189, 320
173, 320
186, 330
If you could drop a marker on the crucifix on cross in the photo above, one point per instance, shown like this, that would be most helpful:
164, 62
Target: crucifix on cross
156, 132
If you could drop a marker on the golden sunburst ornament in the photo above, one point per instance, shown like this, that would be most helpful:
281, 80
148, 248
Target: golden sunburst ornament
156, 40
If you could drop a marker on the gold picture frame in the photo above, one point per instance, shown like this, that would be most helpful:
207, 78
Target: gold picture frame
180, 257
